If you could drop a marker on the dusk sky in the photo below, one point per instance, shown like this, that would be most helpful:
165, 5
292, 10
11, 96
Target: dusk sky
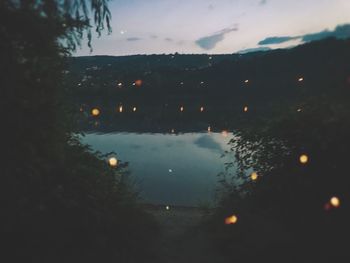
217, 26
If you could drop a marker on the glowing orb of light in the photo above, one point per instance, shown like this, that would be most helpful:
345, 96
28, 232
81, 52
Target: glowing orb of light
120, 108
170, 170
172, 130
134, 109
167, 208
299, 110
181, 108
202, 109
209, 129
95, 112
300, 79
303, 158
120, 84
231, 220
138, 82
254, 176
246, 81
113, 161
245, 109
334, 201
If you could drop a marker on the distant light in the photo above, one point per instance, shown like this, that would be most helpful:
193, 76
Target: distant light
301, 79
181, 83
172, 130
170, 170
120, 84
303, 158
254, 176
231, 220
167, 208
202, 82
202, 109
246, 81
134, 84
120, 108
95, 112
81, 109
210, 58
334, 201
138, 82
181, 108
209, 129
299, 110
245, 109
134, 109
113, 161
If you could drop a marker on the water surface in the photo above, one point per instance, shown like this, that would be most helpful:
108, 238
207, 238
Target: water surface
169, 169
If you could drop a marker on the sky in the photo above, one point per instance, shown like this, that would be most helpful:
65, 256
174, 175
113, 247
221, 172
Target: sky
217, 26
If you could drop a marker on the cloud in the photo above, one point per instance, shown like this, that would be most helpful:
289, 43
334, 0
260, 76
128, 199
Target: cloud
209, 42
211, 7
250, 50
153, 36
340, 32
263, 2
168, 39
133, 39
276, 40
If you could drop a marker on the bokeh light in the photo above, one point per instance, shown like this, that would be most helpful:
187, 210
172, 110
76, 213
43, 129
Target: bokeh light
303, 158
113, 161
334, 201
95, 112
231, 220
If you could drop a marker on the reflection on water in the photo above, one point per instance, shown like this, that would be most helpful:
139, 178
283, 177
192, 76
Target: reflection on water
169, 169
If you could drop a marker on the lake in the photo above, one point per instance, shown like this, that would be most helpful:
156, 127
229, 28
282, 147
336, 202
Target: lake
169, 169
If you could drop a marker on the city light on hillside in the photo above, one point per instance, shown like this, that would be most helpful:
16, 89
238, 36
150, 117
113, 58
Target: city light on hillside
254, 176
113, 161
138, 82
95, 112
334, 201
231, 220
303, 158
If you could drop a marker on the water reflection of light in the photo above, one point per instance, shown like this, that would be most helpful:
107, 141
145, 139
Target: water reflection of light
95, 112
224, 133
231, 220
